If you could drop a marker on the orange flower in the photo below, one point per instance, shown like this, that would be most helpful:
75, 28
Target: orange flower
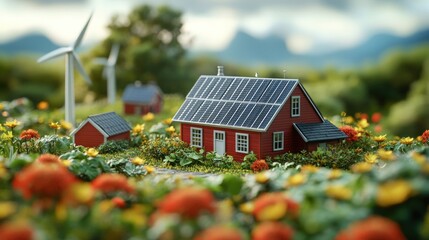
376, 117
43, 181
48, 158
29, 134
272, 230
352, 134
43, 105
219, 233
119, 202
112, 182
188, 202
16, 230
425, 136
274, 206
259, 165
373, 227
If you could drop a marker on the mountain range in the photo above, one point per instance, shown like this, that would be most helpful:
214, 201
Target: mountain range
245, 49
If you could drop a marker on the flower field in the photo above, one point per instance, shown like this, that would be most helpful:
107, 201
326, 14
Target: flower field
371, 186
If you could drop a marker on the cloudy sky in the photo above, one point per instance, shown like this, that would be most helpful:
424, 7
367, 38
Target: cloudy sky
306, 25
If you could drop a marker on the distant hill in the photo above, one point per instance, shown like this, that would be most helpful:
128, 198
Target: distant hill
32, 43
245, 49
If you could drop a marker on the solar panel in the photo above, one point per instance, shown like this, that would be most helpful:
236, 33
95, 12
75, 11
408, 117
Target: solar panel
260, 91
193, 107
238, 111
286, 92
200, 111
196, 87
281, 86
203, 88
261, 116
269, 91
246, 90
239, 90
222, 112
215, 88
228, 115
253, 115
244, 114
268, 117
253, 90
233, 87
215, 112
222, 88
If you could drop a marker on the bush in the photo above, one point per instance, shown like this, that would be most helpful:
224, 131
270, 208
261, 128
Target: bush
160, 147
114, 146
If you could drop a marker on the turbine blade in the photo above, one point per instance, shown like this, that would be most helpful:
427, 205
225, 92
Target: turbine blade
114, 54
80, 68
101, 61
55, 53
80, 37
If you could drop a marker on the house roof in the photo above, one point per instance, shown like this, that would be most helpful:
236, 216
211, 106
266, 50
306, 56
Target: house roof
249, 103
138, 93
109, 124
314, 132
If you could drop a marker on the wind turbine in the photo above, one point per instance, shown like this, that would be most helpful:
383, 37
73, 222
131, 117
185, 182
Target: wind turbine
109, 72
71, 59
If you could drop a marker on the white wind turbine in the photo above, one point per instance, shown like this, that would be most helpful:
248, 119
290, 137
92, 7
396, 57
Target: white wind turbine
71, 58
109, 72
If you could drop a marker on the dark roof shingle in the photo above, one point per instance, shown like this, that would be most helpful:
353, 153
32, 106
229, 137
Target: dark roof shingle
111, 123
314, 132
140, 93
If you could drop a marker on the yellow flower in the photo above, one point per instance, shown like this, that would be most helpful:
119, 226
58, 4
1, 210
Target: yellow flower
6, 136
2, 129
247, 207
7, 209
60, 212
149, 169
167, 121
361, 167
370, 158
135, 215
272, 212
137, 161
348, 120
43, 105
67, 162
261, 178
55, 125
393, 192
1, 106
310, 168
138, 129
407, 140
363, 123
148, 117
419, 158
12, 124
66, 125
92, 152
82, 192
296, 179
339, 192
3, 171
334, 174
170, 129
386, 155
380, 138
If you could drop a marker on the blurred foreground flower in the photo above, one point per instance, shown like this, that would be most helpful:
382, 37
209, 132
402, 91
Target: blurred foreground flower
274, 206
66, 125
219, 233
272, 230
16, 231
373, 227
386, 155
339, 192
43, 105
376, 117
48, 159
148, 117
361, 167
393, 192
111, 183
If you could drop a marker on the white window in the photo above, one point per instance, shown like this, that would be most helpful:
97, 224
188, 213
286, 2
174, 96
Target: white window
242, 143
196, 137
295, 106
278, 141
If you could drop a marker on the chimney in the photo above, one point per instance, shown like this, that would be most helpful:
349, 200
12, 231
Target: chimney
220, 70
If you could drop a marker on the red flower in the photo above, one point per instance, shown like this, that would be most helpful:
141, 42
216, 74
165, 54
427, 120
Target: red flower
259, 165
352, 134
29, 134
112, 182
16, 231
274, 206
219, 233
43, 180
372, 228
425, 136
48, 158
119, 202
376, 117
272, 230
188, 202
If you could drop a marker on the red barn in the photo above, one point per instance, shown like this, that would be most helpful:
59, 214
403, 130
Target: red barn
97, 129
140, 99
269, 116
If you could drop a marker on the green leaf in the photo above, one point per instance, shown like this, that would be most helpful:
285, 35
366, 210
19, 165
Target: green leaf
232, 184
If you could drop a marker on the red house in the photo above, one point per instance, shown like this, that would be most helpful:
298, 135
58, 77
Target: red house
269, 116
140, 99
97, 129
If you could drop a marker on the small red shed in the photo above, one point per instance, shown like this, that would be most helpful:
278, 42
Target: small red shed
140, 99
97, 129
269, 116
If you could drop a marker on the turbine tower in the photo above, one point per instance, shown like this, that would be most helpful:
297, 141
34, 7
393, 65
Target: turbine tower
71, 59
109, 72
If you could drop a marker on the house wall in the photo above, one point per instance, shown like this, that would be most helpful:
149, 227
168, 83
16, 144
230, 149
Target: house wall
284, 122
208, 139
130, 108
121, 136
88, 136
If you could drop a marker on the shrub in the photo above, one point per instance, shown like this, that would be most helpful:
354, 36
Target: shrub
220, 160
160, 147
248, 160
114, 146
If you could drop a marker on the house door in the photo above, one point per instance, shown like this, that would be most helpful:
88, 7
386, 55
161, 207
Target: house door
219, 142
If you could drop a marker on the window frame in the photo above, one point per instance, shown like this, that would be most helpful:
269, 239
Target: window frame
295, 106
192, 142
241, 147
280, 141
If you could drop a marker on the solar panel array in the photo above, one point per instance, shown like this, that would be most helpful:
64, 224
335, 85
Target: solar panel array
239, 102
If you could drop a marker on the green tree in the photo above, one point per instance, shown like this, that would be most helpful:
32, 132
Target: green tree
150, 50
